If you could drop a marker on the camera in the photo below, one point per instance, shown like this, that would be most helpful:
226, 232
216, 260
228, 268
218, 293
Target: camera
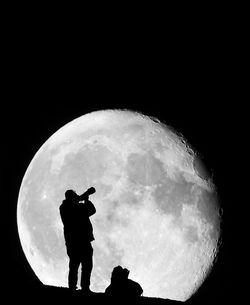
89, 191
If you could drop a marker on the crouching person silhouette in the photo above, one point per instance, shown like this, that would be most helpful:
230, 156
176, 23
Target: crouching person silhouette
122, 286
75, 211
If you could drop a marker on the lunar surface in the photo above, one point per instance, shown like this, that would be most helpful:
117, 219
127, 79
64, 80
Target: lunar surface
157, 208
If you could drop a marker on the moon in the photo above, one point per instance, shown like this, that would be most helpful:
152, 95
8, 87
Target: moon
158, 212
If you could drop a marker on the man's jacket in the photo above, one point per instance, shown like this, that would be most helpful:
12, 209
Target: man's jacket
77, 226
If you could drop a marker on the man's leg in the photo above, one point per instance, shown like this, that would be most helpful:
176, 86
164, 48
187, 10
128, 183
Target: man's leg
87, 264
74, 262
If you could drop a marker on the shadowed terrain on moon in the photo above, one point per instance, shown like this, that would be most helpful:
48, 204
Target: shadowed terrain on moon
156, 215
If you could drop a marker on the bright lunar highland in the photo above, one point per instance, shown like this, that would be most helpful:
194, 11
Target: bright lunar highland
157, 209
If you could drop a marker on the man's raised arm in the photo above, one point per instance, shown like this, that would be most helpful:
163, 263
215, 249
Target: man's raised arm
88, 204
91, 210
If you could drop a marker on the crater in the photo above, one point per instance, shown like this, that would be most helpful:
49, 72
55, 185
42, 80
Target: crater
201, 169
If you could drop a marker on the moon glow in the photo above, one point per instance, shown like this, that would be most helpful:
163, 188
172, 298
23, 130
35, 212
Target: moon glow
157, 208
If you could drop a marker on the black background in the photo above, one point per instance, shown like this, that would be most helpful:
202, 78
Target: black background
184, 77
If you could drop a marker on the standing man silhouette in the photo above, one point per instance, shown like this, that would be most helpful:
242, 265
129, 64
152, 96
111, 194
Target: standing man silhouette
78, 234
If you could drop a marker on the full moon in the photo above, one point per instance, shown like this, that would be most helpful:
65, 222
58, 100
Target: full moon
157, 209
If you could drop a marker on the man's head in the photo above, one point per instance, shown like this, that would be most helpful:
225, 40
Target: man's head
70, 195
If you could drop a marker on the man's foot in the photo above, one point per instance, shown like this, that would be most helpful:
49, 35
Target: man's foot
72, 289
